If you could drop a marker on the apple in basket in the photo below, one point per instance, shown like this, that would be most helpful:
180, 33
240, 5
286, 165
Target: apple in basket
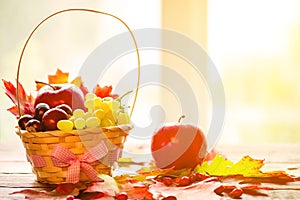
58, 94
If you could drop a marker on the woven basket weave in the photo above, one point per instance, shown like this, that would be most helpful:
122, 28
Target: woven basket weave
78, 142
40, 145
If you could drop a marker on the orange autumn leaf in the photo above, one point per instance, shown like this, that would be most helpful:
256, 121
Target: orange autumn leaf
138, 190
59, 77
104, 91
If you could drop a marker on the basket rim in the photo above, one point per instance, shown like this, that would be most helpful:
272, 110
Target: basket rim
122, 127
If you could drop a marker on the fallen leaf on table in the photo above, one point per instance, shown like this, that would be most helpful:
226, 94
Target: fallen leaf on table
136, 190
42, 195
247, 167
200, 190
108, 187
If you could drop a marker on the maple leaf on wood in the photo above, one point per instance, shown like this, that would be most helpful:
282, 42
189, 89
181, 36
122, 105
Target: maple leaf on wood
201, 190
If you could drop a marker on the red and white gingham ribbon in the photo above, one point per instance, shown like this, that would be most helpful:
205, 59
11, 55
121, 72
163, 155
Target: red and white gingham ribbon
36, 161
63, 157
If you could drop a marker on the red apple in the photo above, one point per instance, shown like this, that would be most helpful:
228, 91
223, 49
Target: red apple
52, 116
178, 145
61, 94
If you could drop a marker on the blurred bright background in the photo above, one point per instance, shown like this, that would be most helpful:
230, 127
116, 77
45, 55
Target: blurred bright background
254, 44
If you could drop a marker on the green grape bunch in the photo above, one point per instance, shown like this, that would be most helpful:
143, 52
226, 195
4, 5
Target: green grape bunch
101, 112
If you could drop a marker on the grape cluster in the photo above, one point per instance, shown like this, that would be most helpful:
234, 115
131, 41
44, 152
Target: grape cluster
99, 113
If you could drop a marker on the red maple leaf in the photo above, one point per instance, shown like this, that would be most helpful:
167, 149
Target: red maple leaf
26, 101
104, 91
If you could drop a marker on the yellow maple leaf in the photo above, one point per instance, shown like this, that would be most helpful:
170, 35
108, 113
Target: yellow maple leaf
247, 167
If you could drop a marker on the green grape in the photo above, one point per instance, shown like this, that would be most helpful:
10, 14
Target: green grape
89, 103
108, 103
97, 102
115, 105
107, 99
65, 125
78, 113
123, 118
89, 96
99, 113
87, 115
111, 116
105, 107
72, 118
92, 122
79, 123
106, 122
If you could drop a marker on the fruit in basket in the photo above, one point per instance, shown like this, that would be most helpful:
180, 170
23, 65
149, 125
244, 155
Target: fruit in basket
78, 113
92, 122
79, 123
65, 125
52, 117
23, 120
123, 118
178, 145
34, 125
40, 109
66, 108
58, 94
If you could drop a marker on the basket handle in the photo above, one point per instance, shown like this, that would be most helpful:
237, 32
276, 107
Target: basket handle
81, 10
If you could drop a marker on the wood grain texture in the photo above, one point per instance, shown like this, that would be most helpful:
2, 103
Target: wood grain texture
15, 172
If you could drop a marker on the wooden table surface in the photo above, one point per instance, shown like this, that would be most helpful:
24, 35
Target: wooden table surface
15, 172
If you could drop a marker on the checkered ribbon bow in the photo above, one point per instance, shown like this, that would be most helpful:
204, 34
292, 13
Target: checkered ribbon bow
63, 157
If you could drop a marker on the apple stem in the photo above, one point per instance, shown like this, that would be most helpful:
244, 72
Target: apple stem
180, 118
39, 82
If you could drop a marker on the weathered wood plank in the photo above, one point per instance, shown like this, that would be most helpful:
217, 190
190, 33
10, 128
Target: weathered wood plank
271, 153
19, 181
15, 171
15, 167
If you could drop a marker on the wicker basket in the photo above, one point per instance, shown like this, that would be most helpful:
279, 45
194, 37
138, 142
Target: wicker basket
79, 155
39, 147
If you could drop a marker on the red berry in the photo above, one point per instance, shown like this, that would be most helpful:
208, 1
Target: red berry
70, 197
201, 177
192, 178
219, 190
176, 180
184, 181
167, 181
170, 198
236, 193
122, 196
